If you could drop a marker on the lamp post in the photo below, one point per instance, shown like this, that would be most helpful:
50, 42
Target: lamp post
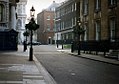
79, 24
31, 26
57, 39
79, 31
62, 42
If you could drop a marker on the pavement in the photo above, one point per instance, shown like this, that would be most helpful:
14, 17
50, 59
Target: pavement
15, 67
98, 57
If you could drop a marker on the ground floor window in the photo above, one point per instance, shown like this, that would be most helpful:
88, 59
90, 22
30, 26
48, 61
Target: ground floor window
112, 25
97, 30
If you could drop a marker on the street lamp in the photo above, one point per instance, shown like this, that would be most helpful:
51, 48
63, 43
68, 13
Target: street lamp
32, 12
31, 26
57, 39
79, 31
79, 24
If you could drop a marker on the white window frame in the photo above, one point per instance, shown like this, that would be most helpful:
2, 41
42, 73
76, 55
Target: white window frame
112, 2
112, 29
85, 33
97, 5
85, 7
98, 30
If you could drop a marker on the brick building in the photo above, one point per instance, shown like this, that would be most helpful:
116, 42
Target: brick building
100, 19
45, 34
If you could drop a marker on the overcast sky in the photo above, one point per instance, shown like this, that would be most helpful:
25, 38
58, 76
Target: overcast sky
39, 5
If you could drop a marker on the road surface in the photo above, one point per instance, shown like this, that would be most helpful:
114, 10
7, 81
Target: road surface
68, 69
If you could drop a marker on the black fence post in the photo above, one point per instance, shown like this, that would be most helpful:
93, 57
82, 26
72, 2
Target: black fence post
72, 47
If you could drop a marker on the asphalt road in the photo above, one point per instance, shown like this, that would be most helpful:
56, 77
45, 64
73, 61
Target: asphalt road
67, 69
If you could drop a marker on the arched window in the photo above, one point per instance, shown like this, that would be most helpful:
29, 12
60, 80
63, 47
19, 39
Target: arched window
1, 12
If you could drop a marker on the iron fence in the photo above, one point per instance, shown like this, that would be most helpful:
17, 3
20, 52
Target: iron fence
97, 46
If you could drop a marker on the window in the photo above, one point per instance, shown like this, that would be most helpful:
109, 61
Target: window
112, 25
58, 26
112, 3
63, 24
23, 8
57, 14
19, 23
72, 7
19, 9
48, 17
97, 5
85, 33
98, 30
1, 12
85, 7
75, 6
75, 21
48, 27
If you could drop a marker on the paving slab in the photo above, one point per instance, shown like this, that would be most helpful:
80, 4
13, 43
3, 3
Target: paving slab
91, 56
15, 68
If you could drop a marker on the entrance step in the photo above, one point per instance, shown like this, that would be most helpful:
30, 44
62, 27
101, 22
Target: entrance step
114, 54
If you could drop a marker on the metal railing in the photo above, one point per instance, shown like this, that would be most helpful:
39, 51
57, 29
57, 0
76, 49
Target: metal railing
97, 46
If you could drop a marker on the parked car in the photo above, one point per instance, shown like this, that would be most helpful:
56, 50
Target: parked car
35, 43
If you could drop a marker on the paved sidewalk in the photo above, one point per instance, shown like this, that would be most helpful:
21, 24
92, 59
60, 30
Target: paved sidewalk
91, 56
15, 68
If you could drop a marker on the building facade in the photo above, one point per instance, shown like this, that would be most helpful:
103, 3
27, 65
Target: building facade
8, 35
21, 19
100, 19
45, 34
66, 20
8, 14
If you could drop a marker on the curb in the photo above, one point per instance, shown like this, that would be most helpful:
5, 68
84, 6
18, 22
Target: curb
91, 58
48, 78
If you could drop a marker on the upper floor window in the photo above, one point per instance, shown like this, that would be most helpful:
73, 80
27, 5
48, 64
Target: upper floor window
97, 5
85, 7
24, 9
48, 17
1, 12
86, 32
19, 23
75, 6
112, 3
57, 14
48, 27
